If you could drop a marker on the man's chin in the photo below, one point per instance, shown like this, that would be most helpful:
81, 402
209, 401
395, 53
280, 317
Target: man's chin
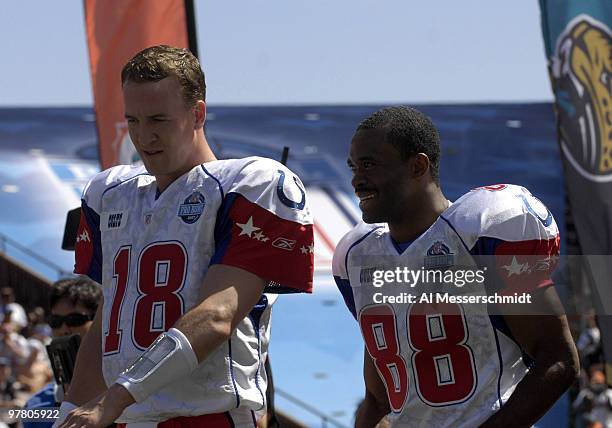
152, 168
147, 165
370, 218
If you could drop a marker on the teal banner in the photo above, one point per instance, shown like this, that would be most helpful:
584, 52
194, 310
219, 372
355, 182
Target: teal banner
577, 40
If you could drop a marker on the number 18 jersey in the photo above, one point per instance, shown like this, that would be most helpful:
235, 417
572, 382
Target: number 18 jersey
151, 251
444, 362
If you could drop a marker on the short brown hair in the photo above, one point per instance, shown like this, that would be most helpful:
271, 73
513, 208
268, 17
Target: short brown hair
158, 62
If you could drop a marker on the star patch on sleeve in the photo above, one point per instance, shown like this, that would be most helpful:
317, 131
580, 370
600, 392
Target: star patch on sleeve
276, 249
524, 266
84, 247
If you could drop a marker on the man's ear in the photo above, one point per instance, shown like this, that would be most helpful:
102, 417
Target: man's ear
199, 110
420, 165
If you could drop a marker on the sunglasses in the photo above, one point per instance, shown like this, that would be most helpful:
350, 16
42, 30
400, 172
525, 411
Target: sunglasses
73, 319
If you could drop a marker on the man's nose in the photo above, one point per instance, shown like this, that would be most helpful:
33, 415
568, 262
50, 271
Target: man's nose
142, 134
64, 330
358, 180
145, 134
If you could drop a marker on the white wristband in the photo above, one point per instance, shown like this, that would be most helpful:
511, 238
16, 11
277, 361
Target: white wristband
65, 408
169, 358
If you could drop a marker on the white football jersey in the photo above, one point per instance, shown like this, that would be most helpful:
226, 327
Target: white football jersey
446, 362
151, 252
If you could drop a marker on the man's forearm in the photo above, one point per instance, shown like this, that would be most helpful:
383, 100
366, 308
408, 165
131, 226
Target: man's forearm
228, 296
547, 339
206, 330
233, 293
369, 414
534, 395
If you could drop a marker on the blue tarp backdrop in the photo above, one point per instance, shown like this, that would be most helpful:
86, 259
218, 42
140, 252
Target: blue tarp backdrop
47, 155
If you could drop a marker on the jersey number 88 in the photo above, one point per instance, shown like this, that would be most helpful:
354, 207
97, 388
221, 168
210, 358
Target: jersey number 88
442, 363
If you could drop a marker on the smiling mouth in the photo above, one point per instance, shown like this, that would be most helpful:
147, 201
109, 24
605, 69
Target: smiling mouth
366, 196
152, 152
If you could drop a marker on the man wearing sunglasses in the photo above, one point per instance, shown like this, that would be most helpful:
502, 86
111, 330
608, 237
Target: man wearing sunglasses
72, 320
73, 304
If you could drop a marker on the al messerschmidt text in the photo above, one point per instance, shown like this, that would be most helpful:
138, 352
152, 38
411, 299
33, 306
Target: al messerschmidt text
450, 298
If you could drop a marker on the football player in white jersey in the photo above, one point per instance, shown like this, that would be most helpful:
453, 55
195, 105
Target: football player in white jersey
190, 252
432, 359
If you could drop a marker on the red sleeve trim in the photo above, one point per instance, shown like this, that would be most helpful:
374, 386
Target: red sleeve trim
526, 266
257, 240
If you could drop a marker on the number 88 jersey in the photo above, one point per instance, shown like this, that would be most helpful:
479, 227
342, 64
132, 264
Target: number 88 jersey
444, 362
151, 253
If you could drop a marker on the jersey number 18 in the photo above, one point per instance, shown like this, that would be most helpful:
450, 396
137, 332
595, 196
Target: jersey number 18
161, 274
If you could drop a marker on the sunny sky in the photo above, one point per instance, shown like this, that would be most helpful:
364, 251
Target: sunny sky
304, 52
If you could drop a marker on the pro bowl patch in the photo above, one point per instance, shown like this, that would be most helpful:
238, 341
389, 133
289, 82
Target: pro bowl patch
439, 256
192, 208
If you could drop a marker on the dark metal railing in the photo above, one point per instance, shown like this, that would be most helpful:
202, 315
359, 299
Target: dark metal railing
6, 243
326, 421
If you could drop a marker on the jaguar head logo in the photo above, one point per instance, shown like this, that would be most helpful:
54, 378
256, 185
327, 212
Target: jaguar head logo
580, 72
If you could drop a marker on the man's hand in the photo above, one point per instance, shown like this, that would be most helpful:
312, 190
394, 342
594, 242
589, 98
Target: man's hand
101, 411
